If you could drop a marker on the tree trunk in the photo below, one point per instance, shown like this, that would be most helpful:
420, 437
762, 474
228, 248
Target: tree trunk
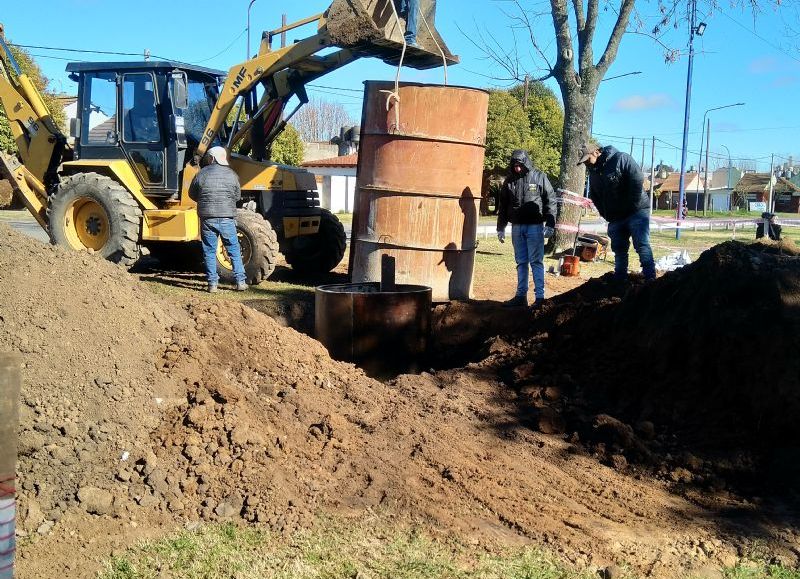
578, 109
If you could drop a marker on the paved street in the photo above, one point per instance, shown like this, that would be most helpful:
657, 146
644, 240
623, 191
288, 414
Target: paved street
24, 222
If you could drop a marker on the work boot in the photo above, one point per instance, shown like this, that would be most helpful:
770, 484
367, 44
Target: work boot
212, 288
516, 302
538, 304
241, 286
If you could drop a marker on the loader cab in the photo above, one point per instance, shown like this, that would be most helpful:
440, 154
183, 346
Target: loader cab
150, 114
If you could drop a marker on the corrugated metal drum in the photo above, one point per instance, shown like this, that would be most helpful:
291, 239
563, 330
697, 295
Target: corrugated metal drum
383, 332
418, 189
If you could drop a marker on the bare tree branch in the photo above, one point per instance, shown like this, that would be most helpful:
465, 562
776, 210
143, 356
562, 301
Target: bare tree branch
616, 37
525, 20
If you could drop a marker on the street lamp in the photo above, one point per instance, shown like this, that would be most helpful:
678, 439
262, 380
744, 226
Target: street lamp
700, 160
247, 56
699, 30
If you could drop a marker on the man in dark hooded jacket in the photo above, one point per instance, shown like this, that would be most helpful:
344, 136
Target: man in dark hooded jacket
528, 202
616, 189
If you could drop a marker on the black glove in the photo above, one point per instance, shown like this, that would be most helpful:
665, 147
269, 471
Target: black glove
550, 221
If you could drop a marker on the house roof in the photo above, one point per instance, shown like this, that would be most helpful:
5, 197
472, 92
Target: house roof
657, 181
759, 182
343, 161
691, 182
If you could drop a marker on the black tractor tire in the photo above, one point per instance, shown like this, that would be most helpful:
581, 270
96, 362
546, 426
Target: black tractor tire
92, 211
259, 245
321, 252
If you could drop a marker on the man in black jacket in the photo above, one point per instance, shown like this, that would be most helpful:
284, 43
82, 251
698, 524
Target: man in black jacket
527, 201
616, 189
216, 190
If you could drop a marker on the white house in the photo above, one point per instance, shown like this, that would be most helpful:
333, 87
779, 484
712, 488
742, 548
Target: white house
336, 180
70, 105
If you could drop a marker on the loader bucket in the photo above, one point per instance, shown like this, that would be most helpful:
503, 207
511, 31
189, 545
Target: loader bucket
373, 28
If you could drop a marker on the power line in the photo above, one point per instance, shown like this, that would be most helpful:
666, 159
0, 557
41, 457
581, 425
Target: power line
625, 142
54, 57
347, 97
81, 50
360, 91
226, 49
754, 33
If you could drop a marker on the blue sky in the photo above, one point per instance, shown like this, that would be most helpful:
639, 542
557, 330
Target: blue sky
740, 58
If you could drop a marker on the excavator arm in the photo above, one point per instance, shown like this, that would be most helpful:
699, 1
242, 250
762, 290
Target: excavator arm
357, 27
40, 143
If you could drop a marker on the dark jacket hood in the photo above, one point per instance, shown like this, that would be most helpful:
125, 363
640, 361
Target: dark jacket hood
520, 156
606, 153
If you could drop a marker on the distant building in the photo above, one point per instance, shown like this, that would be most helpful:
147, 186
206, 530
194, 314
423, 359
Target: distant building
695, 189
669, 191
336, 180
754, 187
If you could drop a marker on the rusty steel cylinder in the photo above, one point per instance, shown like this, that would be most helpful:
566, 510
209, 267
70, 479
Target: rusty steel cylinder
383, 332
418, 188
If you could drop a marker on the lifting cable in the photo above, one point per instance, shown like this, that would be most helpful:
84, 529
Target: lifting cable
430, 32
395, 95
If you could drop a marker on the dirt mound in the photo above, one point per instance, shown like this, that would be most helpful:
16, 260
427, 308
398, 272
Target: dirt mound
142, 410
88, 336
705, 357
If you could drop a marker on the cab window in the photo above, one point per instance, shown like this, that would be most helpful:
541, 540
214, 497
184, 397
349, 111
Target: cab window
140, 119
99, 118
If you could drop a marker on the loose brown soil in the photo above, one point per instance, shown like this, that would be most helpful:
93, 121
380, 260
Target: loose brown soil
141, 413
6, 194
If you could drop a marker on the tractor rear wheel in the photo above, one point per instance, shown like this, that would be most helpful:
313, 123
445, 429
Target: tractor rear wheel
321, 252
259, 246
92, 211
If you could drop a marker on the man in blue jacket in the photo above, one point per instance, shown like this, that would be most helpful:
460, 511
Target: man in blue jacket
216, 190
616, 189
527, 201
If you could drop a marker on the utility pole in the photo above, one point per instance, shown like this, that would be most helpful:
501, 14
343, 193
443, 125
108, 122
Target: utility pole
283, 32
643, 139
631, 146
682, 187
652, 174
525, 94
771, 190
705, 181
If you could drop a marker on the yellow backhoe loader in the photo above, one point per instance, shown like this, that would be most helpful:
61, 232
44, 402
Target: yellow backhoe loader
142, 126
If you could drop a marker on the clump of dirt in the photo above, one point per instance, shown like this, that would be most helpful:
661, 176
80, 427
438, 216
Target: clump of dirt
349, 24
147, 411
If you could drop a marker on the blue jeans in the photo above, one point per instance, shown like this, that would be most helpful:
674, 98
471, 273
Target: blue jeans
637, 228
411, 10
211, 229
528, 241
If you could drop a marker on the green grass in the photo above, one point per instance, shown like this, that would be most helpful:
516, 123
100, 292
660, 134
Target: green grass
736, 214
368, 548
756, 570
495, 259
334, 549
345, 218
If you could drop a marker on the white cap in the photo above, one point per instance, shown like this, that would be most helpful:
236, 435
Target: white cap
219, 154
